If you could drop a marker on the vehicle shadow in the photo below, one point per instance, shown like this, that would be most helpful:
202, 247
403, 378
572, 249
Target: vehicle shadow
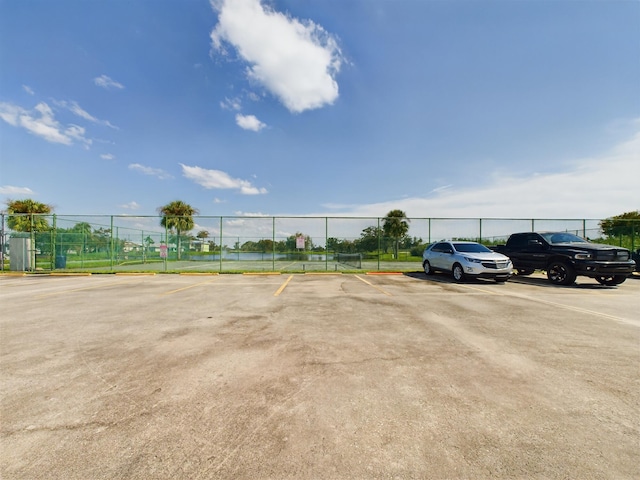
447, 278
582, 283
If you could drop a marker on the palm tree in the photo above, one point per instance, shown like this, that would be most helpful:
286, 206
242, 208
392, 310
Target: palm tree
177, 216
28, 215
396, 226
148, 242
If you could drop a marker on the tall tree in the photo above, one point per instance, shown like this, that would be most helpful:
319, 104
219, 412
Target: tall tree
625, 224
177, 216
396, 226
369, 240
27, 215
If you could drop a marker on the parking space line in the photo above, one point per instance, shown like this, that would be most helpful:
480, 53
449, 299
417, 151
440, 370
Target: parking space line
188, 287
372, 285
479, 289
575, 309
283, 286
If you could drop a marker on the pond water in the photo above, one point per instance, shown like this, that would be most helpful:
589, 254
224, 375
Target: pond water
258, 256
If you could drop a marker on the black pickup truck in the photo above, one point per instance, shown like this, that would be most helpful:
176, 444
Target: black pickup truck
564, 256
636, 258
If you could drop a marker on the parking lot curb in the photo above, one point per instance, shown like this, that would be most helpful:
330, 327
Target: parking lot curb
194, 274
135, 274
70, 274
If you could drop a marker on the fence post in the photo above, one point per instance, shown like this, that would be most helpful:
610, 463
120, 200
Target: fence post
2, 243
54, 234
379, 244
220, 259
111, 243
326, 243
32, 236
273, 244
166, 239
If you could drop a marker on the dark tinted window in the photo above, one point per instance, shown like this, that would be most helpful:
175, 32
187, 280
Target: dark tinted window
441, 247
518, 240
471, 247
562, 237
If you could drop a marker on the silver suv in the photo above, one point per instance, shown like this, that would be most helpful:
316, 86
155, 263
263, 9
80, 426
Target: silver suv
466, 259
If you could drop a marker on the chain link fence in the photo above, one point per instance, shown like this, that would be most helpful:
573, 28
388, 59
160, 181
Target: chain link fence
115, 243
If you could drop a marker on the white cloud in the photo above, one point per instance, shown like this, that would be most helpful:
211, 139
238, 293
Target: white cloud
76, 109
153, 172
251, 214
597, 187
294, 60
28, 89
130, 206
41, 122
441, 189
107, 83
11, 190
231, 104
249, 122
216, 179
107, 156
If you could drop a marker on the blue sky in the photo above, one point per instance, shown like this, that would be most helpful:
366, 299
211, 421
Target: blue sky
526, 109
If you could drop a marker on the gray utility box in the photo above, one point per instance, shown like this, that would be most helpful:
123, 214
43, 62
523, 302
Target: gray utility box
19, 254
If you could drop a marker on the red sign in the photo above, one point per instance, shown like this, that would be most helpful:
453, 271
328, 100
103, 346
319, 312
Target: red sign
163, 251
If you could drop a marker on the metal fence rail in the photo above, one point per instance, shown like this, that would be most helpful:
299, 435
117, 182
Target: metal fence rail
117, 243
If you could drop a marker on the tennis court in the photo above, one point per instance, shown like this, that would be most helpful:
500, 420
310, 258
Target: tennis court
317, 376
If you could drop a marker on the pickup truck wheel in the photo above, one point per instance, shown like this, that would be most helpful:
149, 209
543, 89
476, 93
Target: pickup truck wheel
458, 272
426, 266
611, 280
525, 271
561, 273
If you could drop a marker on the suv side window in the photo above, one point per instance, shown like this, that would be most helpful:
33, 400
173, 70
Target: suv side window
440, 247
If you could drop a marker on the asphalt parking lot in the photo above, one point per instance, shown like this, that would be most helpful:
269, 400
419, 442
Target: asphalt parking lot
325, 376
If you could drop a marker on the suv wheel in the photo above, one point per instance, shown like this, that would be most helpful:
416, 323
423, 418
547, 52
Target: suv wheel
458, 272
426, 266
560, 272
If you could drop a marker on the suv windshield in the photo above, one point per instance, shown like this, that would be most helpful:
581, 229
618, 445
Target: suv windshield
562, 238
470, 247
